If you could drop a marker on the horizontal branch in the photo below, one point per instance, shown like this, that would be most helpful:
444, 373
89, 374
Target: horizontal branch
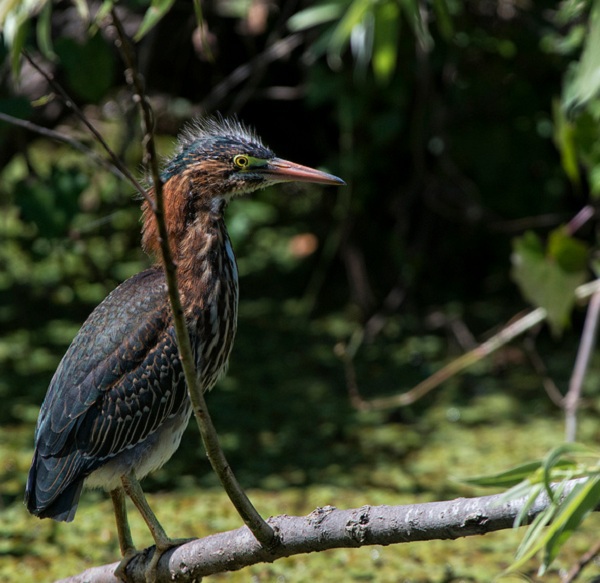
328, 528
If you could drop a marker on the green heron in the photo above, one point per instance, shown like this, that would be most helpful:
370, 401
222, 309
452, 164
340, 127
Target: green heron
117, 405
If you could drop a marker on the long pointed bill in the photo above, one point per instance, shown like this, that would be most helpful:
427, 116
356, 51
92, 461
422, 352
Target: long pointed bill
284, 171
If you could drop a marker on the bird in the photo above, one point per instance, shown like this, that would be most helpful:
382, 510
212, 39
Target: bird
117, 405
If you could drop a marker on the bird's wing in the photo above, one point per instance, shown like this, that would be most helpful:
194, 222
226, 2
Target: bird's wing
119, 380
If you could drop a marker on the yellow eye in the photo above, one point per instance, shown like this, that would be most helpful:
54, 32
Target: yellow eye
241, 161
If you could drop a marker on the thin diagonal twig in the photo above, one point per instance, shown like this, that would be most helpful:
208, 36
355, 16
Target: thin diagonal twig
261, 530
586, 347
59, 137
584, 561
56, 87
274, 52
507, 334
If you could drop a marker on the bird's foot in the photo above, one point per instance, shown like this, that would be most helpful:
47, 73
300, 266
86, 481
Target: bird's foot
152, 568
159, 550
120, 571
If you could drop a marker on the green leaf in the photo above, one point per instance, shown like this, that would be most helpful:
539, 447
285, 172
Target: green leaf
89, 67
543, 279
44, 32
507, 478
82, 9
314, 16
16, 47
555, 460
353, 16
51, 204
530, 544
569, 253
443, 19
523, 515
153, 15
564, 520
583, 81
104, 10
385, 42
572, 511
564, 139
412, 9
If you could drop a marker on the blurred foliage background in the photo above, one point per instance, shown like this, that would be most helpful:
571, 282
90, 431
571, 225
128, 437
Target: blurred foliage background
467, 133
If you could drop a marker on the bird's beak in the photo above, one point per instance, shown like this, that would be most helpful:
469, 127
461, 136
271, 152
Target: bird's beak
284, 171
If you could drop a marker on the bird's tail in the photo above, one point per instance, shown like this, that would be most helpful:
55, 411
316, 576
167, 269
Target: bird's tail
42, 498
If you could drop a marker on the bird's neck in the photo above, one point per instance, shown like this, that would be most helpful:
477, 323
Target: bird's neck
205, 260
198, 240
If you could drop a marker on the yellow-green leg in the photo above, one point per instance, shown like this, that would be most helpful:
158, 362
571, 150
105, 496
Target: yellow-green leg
128, 550
163, 543
123, 530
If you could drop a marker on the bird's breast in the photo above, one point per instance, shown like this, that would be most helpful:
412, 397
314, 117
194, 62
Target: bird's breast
215, 325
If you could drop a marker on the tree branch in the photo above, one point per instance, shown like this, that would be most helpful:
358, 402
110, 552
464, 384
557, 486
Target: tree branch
329, 528
210, 439
584, 353
57, 88
65, 139
503, 337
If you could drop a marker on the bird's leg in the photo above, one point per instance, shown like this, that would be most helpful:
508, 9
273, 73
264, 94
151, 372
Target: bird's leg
128, 550
123, 530
161, 540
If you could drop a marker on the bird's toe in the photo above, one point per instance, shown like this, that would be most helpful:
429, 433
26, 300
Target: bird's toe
159, 550
121, 570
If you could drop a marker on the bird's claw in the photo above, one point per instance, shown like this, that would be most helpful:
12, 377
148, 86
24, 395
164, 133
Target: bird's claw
121, 570
151, 572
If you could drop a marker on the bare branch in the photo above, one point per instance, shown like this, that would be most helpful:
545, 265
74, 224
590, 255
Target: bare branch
65, 139
541, 370
583, 562
278, 50
506, 335
329, 528
261, 530
586, 347
56, 87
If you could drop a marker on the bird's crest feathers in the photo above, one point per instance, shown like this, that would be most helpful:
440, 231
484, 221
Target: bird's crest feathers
210, 138
216, 127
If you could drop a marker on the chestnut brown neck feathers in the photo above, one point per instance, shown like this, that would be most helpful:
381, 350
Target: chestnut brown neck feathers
199, 180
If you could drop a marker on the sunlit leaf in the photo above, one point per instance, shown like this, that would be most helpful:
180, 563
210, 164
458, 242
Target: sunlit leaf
83, 9
13, 13
562, 520
387, 32
564, 139
104, 10
15, 17
530, 544
153, 15
542, 278
352, 17
314, 16
556, 459
507, 478
44, 32
584, 83
523, 515
18, 42
572, 511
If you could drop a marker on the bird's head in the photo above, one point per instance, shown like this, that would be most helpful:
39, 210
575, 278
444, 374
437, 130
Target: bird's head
222, 158
216, 160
